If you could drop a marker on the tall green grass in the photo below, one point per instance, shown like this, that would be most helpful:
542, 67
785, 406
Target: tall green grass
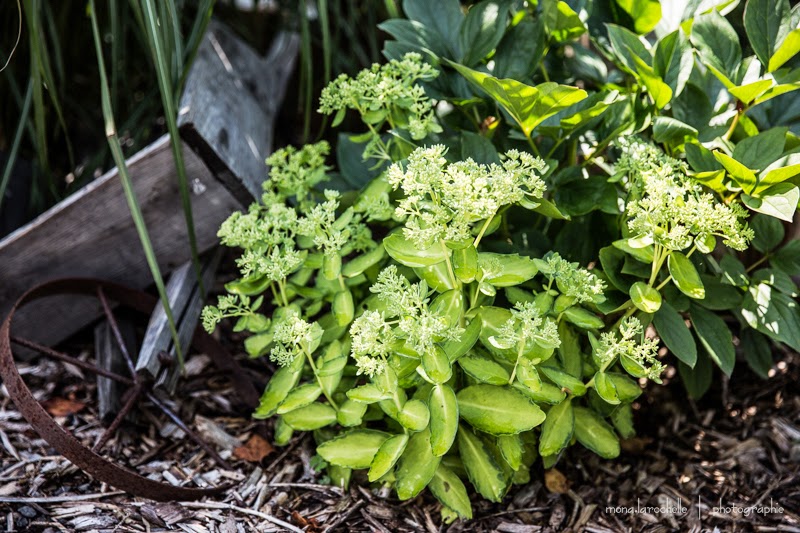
130, 195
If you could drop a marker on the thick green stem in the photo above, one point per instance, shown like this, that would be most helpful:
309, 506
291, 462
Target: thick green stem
520, 347
483, 230
449, 264
319, 381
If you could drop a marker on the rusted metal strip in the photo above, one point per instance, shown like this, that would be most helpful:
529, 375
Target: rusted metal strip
62, 440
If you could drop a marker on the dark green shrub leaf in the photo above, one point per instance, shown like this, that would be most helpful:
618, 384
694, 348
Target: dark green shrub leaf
715, 337
676, 336
444, 18
757, 352
758, 151
670, 130
674, 60
627, 45
697, 380
521, 49
717, 42
772, 313
765, 22
788, 258
482, 29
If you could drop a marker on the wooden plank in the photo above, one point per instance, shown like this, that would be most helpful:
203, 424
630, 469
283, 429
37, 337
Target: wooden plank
90, 234
229, 105
186, 302
109, 357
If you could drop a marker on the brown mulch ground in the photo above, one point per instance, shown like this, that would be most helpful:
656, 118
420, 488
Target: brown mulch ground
738, 449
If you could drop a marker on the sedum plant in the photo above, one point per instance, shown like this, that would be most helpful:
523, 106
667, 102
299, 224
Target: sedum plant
551, 203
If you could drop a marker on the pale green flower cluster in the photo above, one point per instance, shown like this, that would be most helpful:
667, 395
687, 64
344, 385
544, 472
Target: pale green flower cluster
295, 172
416, 323
293, 336
228, 305
643, 351
670, 209
267, 235
386, 92
372, 339
444, 200
330, 234
573, 281
527, 327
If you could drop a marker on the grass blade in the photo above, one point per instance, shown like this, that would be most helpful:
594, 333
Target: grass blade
127, 185
307, 68
12, 154
165, 84
204, 10
43, 74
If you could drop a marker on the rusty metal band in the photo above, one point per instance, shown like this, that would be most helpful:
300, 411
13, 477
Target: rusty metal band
63, 441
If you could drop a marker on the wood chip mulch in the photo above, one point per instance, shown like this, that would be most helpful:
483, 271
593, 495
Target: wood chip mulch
728, 463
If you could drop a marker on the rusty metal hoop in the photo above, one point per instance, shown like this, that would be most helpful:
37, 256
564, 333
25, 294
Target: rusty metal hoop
62, 440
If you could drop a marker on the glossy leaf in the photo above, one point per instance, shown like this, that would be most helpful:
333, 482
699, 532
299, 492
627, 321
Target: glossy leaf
685, 276
386, 456
528, 106
595, 434
354, 449
416, 466
312, 416
557, 428
404, 252
448, 488
675, 335
498, 410
645, 297
443, 406
482, 469
715, 337
482, 29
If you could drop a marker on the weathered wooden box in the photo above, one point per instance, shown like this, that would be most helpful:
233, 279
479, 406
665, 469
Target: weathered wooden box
226, 117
